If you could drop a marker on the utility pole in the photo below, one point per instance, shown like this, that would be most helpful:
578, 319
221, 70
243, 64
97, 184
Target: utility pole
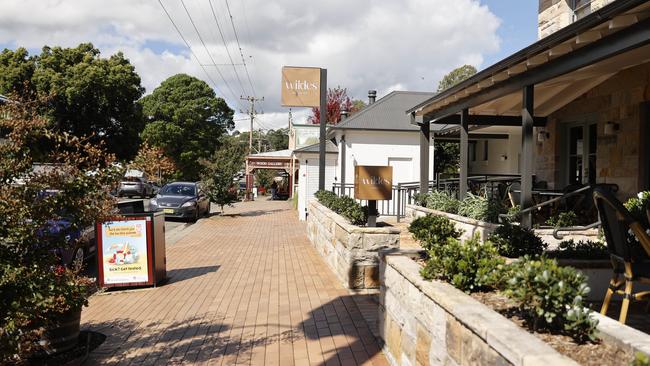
251, 113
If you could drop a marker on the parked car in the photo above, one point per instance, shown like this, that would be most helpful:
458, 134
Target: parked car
85, 247
135, 186
184, 200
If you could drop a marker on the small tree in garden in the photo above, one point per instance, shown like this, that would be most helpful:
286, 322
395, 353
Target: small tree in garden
219, 171
36, 288
264, 177
153, 161
337, 100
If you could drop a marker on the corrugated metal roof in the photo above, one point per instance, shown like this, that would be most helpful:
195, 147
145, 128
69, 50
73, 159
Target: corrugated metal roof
329, 148
387, 113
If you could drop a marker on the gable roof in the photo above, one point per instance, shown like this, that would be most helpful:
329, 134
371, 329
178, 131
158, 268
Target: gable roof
387, 113
330, 148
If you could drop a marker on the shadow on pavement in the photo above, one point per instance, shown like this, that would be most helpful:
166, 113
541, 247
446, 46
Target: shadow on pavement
182, 274
342, 320
338, 326
253, 213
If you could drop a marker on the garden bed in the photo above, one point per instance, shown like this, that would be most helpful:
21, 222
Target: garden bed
432, 322
471, 227
352, 252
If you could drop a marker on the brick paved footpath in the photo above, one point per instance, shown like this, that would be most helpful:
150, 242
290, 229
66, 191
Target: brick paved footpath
246, 288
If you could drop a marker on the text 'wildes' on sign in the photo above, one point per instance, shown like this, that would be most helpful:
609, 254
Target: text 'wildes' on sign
373, 182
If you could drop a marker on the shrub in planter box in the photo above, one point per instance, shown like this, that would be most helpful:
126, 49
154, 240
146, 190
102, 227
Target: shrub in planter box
432, 230
441, 201
40, 211
550, 297
344, 206
570, 249
469, 266
480, 208
514, 241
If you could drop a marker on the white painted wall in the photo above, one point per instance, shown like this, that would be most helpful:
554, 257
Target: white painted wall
308, 178
510, 148
400, 149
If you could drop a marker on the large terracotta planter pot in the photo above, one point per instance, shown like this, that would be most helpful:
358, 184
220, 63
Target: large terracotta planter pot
62, 335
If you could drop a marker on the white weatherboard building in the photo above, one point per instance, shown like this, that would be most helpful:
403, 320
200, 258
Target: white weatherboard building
381, 134
308, 157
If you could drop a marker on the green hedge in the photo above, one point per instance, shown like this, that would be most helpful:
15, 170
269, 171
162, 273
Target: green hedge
344, 206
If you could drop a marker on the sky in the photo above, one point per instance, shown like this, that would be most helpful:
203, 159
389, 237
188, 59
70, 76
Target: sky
384, 45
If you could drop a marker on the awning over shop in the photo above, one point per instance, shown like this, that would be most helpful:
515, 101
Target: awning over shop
526, 87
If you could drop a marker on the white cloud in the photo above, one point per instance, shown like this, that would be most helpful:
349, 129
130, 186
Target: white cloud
364, 44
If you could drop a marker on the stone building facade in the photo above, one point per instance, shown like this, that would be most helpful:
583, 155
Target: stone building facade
556, 14
621, 155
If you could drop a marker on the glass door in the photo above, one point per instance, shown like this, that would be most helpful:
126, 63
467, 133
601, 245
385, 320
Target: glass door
582, 156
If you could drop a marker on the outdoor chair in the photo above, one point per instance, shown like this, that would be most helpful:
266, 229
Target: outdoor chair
627, 260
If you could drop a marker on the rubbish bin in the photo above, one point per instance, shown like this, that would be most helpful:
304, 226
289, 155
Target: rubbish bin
131, 250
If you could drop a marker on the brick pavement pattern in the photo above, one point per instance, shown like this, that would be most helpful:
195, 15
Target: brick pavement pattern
245, 288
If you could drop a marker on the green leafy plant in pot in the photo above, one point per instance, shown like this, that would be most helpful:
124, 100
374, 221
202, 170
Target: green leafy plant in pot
41, 298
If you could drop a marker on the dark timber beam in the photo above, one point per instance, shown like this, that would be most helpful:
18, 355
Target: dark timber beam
323, 129
635, 36
453, 137
527, 154
425, 135
464, 152
342, 150
487, 120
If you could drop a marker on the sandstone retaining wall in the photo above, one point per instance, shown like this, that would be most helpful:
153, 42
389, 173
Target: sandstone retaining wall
433, 323
352, 252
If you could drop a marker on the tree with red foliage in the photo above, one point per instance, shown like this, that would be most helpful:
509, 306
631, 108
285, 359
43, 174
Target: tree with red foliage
337, 100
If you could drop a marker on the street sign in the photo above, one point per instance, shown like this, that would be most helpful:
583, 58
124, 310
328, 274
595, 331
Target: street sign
373, 182
301, 86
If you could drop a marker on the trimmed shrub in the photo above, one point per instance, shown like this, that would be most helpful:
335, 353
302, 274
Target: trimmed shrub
433, 230
344, 206
441, 201
420, 199
563, 219
550, 297
480, 208
580, 250
514, 241
468, 265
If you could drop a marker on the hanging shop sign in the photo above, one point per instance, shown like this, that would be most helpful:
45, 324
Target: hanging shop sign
373, 182
301, 86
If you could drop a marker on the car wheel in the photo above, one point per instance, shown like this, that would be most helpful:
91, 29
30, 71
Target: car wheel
77, 262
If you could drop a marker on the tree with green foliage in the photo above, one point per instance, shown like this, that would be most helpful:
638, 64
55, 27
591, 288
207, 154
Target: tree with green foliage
186, 119
447, 154
264, 177
456, 76
220, 169
88, 95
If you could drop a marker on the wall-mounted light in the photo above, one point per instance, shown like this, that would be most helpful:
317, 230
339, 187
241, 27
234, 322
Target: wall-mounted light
542, 136
503, 157
610, 128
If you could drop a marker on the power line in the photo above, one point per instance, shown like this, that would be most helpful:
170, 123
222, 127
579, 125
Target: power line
187, 44
223, 40
241, 53
208, 52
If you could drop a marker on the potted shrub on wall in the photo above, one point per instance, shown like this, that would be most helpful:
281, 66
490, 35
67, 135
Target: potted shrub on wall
41, 210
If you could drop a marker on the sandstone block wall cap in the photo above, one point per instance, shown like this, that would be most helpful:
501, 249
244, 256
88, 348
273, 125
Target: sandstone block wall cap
463, 219
343, 222
505, 337
613, 331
